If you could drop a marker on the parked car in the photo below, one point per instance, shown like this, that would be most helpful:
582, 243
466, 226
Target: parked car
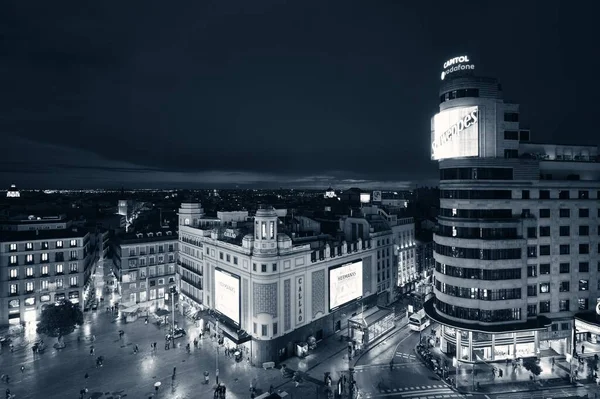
178, 333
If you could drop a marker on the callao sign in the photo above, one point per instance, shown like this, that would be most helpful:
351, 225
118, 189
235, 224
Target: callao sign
457, 64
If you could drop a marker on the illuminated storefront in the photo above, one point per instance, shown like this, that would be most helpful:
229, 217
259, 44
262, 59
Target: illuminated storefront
370, 324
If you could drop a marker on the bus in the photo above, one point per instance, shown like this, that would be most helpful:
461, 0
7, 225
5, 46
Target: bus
418, 321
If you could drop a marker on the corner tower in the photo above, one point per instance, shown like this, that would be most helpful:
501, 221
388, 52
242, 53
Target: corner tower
265, 230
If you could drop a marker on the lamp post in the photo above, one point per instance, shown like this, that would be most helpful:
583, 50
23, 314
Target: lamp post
173, 290
217, 357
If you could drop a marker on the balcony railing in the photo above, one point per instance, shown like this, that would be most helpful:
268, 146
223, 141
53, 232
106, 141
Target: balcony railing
191, 282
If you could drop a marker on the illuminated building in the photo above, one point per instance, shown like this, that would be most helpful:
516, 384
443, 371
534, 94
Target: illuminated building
516, 251
272, 291
40, 266
144, 266
13, 192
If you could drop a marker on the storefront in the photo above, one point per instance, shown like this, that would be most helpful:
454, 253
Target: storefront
587, 330
370, 324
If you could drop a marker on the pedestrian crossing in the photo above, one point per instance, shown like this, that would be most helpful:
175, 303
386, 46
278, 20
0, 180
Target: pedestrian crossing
404, 356
394, 366
417, 392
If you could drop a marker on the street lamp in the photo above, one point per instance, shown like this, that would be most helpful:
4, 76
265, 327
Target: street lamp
217, 357
173, 290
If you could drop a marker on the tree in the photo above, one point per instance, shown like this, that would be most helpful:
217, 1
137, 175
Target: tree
60, 319
533, 367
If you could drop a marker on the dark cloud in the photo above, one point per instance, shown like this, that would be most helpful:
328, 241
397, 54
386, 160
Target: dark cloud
276, 90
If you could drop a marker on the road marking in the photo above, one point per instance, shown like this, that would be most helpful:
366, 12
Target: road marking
486, 397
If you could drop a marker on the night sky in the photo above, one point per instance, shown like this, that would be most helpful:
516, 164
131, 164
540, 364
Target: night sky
272, 93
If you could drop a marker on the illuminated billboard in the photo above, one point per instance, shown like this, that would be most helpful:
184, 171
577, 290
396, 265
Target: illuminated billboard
345, 283
227, 295
455, 133
365, 198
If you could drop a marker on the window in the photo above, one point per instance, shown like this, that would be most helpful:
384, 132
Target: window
531, 310
73, 255
544, 250
29, 246
531, 232
564, 231
544, 194
208, 251
525, 194
59, 244
511, 135
235, 260
545, 307
583, 303
29, 259
254, 267
59, 268
563, 194
73, 268
264, 330
511, 117
254, 328
44, 284
228, 258
563, 305
584, 213
29, 286
584, 285
73, 281
564, 286
44, 270
511, 154
45, 257
73, 243
564, 213
29, 272
263, 268
544, 268
583, 194
544, 288
584, 230
532, 252
531, 290
13, 247
584, 267
584, 249
532, 271
565, 249
14, 289
13, 259
13, 274
544, 213
274, 267
59, 283
221, 255
564, 267
544, 231
274, 328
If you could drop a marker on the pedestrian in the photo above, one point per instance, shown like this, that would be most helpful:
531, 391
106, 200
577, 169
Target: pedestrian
86, 376
22, 369
174, 371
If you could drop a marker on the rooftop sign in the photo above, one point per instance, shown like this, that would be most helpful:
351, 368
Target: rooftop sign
455, 64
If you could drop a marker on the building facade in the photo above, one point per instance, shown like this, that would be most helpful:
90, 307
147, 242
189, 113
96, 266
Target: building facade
405, 251
39, 268
144, 266
271, 292
516, 250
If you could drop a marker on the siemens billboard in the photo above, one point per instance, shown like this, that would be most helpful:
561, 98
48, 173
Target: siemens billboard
227, 295
455, 133
345, 283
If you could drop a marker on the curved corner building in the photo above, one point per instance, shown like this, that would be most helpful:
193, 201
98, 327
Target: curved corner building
516, 251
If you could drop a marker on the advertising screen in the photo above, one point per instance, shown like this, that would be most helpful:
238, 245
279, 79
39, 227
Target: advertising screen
227, 295
345, 283
455, 133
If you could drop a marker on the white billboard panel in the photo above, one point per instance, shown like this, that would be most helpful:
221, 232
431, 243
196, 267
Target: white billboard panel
227, 295
345, 284
455, 133
365, 198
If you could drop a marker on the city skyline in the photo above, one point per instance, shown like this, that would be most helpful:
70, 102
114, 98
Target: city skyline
270, 94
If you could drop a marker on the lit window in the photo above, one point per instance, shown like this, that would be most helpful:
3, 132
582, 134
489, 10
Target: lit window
73, 268
14, 289
29, 286
13, 259
44, 270
44, 284
29, 245
59, 283
29, 258
59, 244
73, 281
14, 273
13, 247
73, 243
29, 272
59, 268
44, 257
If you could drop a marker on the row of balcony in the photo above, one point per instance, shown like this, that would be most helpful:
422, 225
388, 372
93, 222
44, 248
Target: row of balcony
17, 293
31, 277
189, 267
197, 284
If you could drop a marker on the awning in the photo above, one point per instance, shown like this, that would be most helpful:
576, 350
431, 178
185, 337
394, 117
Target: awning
238, 337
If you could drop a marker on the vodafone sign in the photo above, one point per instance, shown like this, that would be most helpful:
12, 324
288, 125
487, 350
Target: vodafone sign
455, 133
455, 64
